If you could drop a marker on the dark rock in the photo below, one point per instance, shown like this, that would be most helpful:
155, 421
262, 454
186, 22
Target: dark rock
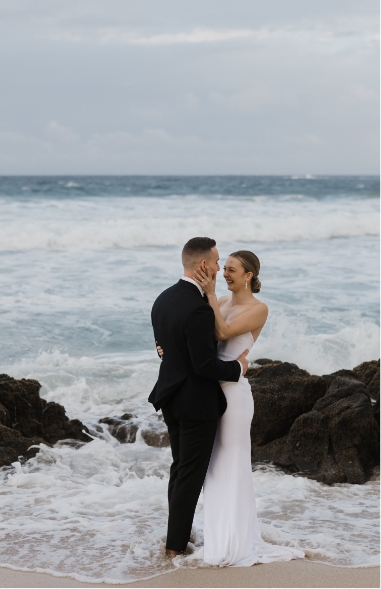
282, 392
263, 361
125, 428
22, 401
26, 419
124, 432
329, 435
339, 389
159, 439
376, 411
111, 421
329, 378
57, 426
13, 445
5, 418
369, 374
276, 369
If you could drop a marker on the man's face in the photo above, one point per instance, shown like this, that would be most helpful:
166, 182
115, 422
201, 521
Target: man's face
212, 262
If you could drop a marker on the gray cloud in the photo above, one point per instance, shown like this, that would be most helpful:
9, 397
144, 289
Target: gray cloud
189, 87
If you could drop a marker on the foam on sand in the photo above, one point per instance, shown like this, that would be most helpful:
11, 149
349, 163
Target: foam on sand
98, 513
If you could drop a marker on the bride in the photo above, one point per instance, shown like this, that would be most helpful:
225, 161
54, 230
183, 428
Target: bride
232, 535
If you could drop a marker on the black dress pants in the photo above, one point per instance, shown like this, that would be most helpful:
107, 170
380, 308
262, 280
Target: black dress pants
192, 445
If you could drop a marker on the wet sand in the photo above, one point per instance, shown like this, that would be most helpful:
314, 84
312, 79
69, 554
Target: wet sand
295, 573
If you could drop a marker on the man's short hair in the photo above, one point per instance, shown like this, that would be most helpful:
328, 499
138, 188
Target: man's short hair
196, 248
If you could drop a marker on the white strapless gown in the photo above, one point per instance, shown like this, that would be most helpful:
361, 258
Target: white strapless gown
232, 535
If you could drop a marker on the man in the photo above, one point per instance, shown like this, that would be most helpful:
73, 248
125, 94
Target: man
187, 390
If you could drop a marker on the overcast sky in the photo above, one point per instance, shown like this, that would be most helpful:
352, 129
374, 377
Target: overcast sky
189, 86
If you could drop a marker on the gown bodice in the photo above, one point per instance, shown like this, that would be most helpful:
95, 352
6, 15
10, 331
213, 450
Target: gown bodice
231, 348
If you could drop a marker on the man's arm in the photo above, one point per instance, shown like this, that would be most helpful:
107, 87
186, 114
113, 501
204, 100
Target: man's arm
199, 333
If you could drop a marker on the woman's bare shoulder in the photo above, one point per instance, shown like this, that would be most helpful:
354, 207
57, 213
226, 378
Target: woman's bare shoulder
258, 306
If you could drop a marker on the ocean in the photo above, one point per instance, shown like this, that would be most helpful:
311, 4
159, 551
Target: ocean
82, 260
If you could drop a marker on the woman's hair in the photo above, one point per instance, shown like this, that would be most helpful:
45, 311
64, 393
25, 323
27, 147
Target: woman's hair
250, 263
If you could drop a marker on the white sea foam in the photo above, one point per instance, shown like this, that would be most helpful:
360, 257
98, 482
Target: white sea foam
91, 388
72, 185
98, 513
113, 384
136, 222
288, 339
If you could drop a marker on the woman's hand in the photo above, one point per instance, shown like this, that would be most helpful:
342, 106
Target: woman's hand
160, 351
206, 281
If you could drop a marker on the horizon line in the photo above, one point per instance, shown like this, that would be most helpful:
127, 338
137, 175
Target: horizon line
296, 175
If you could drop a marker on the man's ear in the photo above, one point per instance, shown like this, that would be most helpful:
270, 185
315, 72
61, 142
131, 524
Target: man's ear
203, 265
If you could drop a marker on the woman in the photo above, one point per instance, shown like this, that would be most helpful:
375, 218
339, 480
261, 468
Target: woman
232, 535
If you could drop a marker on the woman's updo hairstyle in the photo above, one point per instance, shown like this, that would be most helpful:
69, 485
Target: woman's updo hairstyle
250, 263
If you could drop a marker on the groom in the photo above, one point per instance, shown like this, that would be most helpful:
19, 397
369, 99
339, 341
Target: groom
187, 390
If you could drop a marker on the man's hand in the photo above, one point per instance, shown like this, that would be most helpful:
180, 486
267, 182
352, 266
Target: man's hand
244, 361
160, 351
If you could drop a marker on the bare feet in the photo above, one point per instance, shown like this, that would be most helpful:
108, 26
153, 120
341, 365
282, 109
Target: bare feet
172, 553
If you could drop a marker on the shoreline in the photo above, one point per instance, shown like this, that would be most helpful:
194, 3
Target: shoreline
294, 573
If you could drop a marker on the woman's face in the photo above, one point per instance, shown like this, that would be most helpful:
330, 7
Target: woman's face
235, 275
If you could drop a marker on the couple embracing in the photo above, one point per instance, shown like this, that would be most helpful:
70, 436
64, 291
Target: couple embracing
207, 404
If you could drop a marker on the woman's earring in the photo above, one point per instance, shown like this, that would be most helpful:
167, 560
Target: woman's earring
246, 284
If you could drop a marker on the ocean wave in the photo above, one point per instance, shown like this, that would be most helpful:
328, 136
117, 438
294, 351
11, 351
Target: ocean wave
97, 224
318, 187
288, 339
72, 185
92, 387
113, 384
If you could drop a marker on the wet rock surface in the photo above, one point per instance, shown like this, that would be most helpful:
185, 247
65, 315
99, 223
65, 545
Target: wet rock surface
324, 428
122, 428
282, 391
27, 420
369, 374
125, 428
159, 439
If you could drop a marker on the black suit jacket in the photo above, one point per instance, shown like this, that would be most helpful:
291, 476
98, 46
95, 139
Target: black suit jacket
183, 325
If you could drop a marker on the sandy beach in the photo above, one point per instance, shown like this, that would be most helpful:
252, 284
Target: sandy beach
287, 574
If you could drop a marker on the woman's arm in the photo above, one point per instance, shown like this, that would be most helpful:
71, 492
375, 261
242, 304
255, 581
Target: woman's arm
250, 320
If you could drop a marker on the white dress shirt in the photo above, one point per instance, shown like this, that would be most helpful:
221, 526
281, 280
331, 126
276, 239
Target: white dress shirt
202, 294
193, 282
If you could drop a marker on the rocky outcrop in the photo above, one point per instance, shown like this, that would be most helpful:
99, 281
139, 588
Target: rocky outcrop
282, 392
159, 439
324, 428
126, 427
13, 445
369, 374
122, 428
27, 420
